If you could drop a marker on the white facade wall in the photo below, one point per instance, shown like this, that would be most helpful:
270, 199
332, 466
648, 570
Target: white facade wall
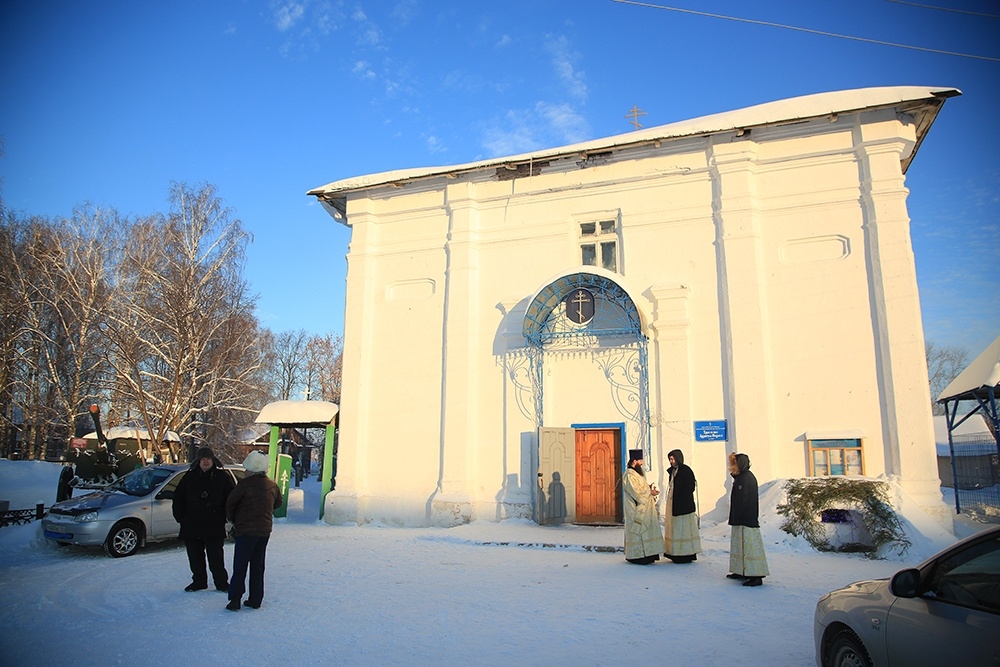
773, 270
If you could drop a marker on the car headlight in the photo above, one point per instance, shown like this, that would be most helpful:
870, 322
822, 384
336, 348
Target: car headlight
86, 517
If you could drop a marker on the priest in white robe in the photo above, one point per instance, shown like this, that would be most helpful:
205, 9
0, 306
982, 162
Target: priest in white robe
643, 539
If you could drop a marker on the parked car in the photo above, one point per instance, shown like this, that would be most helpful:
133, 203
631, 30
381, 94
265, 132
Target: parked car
124, 515
946, 611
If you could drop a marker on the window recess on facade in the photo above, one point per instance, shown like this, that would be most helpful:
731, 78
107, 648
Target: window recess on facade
835, 457
599, 244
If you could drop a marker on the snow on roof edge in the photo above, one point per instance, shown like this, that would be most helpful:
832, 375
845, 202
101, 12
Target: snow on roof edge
780, 111
984, 371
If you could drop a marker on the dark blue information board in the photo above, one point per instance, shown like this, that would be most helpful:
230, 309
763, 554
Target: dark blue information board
710, 431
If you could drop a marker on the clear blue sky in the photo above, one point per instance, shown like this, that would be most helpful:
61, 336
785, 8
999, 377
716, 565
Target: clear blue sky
108, 102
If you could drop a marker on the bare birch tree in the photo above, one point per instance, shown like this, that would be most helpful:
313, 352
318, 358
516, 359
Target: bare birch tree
184, 334
289, 363
943, 365
324, 355
11, 326
58, 275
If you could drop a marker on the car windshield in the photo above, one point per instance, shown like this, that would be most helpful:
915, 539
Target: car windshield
971, 577
141, 482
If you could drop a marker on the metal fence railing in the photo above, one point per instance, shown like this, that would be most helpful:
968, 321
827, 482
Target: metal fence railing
975, 472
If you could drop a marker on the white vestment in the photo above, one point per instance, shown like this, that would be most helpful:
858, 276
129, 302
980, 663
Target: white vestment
642, 518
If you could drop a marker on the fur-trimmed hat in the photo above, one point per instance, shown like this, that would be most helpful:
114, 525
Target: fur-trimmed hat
256, 462
738, 463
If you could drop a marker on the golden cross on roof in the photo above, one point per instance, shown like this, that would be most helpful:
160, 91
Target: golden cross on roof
634, 114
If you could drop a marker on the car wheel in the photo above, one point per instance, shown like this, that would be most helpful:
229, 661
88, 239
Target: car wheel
846, 650
123, 539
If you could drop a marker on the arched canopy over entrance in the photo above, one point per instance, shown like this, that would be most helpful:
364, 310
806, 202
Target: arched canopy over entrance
606, 308
588, 309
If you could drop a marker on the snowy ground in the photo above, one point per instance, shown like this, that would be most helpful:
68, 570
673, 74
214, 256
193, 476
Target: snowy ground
483, 593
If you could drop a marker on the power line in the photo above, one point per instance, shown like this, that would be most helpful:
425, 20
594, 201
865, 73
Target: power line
808, 30
946, 9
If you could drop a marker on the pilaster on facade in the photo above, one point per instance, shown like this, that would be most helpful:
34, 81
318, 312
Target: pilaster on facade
359, 362
671, 365
746, 340
902, 369
461, 357
517, 415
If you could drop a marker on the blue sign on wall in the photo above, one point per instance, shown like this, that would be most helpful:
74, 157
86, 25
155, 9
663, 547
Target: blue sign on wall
710, 431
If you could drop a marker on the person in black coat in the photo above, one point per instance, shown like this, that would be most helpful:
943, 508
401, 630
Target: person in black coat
200, 508
747, 561
681, 540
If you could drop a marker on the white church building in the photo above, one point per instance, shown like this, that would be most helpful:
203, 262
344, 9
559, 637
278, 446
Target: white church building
739, 282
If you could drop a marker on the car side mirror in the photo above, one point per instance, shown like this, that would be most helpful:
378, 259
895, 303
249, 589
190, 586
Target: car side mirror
906, 583
166, 494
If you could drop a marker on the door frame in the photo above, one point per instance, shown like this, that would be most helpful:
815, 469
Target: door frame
623, 454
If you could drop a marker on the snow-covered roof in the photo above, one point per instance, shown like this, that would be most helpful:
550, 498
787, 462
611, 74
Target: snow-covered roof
119, 432
975, 425
983, 372
250, 434
771, 113
298, 413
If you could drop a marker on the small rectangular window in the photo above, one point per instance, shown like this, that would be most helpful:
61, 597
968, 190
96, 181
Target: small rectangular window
820, 467
601, 244
609, 255
836, 457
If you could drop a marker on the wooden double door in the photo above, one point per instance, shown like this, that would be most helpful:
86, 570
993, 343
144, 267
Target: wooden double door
580, 475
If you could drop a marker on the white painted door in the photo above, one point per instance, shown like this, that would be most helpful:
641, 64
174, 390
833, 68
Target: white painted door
556, 475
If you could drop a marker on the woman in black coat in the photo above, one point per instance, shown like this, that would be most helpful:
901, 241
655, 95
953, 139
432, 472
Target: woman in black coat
681, 541
200, 508
747, 562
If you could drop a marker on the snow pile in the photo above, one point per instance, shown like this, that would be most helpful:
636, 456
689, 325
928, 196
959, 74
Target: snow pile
481, 593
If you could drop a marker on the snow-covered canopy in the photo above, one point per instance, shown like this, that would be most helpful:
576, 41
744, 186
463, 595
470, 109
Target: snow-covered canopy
982, 374
298, 413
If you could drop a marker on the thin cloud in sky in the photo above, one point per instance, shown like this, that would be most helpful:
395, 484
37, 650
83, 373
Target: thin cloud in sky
563, 120
434, 145
404, 11
547, 123
511, 135
363, 70
370, 34
286, 15
542, 126
563, 58
326, 19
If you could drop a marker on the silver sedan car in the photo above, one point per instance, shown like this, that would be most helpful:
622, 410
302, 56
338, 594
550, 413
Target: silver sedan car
124, 515
946, 611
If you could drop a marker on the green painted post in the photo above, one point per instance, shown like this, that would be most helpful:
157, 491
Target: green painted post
283, 478
327, 480
272, 451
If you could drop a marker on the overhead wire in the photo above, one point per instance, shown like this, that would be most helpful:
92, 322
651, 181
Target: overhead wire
946, 9
807, 30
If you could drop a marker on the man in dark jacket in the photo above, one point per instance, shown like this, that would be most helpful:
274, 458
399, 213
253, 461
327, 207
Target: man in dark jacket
200, 508
251, 509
